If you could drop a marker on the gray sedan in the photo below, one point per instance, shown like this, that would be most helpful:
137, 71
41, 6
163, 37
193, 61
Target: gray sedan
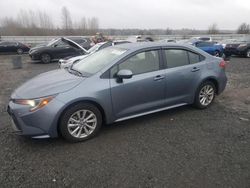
115, 84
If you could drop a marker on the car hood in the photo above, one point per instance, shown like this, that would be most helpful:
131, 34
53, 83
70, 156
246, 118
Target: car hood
42, 47
74, 44
46, 84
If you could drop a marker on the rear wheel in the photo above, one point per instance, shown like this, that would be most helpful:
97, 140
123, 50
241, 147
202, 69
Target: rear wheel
45, 58
205, 95
19, 51
80, 122
217, 53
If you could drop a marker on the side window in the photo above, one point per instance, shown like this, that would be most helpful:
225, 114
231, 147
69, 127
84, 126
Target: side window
193, 57
176, 57
61, 44
140, 63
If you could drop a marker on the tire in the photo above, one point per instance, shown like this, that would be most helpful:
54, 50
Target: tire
209, 95
45, 58
20, 51
248, 53
217, 53
75, 128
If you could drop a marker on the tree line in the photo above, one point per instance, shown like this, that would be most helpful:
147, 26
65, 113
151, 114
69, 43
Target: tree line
40, 23
35, 23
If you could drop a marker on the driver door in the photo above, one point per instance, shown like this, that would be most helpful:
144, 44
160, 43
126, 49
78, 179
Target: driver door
145, 91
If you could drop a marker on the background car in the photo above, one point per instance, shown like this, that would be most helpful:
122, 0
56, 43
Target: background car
115, 84
168, 40
68, 61
210, 47
57, 49
240, 48
207, 39
13, 47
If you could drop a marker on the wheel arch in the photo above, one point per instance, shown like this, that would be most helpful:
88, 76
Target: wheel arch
213, 80
46, 52
88, 101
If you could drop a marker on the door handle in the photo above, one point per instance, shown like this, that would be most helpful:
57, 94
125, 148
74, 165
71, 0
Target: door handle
195, 69
159, 77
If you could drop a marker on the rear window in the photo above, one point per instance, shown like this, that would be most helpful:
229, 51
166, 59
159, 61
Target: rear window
176, 57
193, 57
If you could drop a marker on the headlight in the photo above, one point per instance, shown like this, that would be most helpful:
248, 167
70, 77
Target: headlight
34, 104
242, 45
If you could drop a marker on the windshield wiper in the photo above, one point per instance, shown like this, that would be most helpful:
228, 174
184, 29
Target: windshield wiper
75, 72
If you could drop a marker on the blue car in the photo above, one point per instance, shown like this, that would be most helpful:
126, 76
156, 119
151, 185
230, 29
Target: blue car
210, 47
115, 84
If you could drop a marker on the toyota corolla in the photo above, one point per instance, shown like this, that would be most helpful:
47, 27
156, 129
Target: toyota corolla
115, 84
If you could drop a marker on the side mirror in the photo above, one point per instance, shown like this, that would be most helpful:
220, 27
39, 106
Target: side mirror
123, 74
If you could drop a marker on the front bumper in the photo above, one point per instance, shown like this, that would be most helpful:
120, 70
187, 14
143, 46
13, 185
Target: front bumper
34, 56
41, 123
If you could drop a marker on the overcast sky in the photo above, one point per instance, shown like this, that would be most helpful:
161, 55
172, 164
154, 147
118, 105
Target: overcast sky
143, 14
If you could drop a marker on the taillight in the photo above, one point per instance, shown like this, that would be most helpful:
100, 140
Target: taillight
223, 64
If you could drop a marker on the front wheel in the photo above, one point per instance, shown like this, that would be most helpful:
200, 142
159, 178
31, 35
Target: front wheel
205, 95
248, 53
80, 122
217, 53
45, 58
19, 51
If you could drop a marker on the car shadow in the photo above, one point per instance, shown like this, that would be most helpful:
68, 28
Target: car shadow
107, 129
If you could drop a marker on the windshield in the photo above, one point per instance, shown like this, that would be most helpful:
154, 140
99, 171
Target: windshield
53, 41
94, 48
97, 61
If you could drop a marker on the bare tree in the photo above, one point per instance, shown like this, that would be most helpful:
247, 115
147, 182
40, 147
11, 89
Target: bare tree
27, 19
93, 25
9, 26
244, 28
168, 31
83, 24
45, 20
213, 29
66, 20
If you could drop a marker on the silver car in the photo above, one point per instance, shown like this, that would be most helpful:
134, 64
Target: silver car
115, 84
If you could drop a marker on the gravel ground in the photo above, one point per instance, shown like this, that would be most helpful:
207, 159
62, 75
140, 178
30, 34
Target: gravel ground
183, 147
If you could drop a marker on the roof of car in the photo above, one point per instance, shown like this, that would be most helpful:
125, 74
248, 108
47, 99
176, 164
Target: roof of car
140, 45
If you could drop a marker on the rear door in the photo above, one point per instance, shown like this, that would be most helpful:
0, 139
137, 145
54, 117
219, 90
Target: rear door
183, 71
145, 91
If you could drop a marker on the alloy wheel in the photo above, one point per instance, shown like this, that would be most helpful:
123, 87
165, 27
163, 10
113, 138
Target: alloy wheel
45, 58
19, 51
217, 54
248, 53
82, 123
206, 95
